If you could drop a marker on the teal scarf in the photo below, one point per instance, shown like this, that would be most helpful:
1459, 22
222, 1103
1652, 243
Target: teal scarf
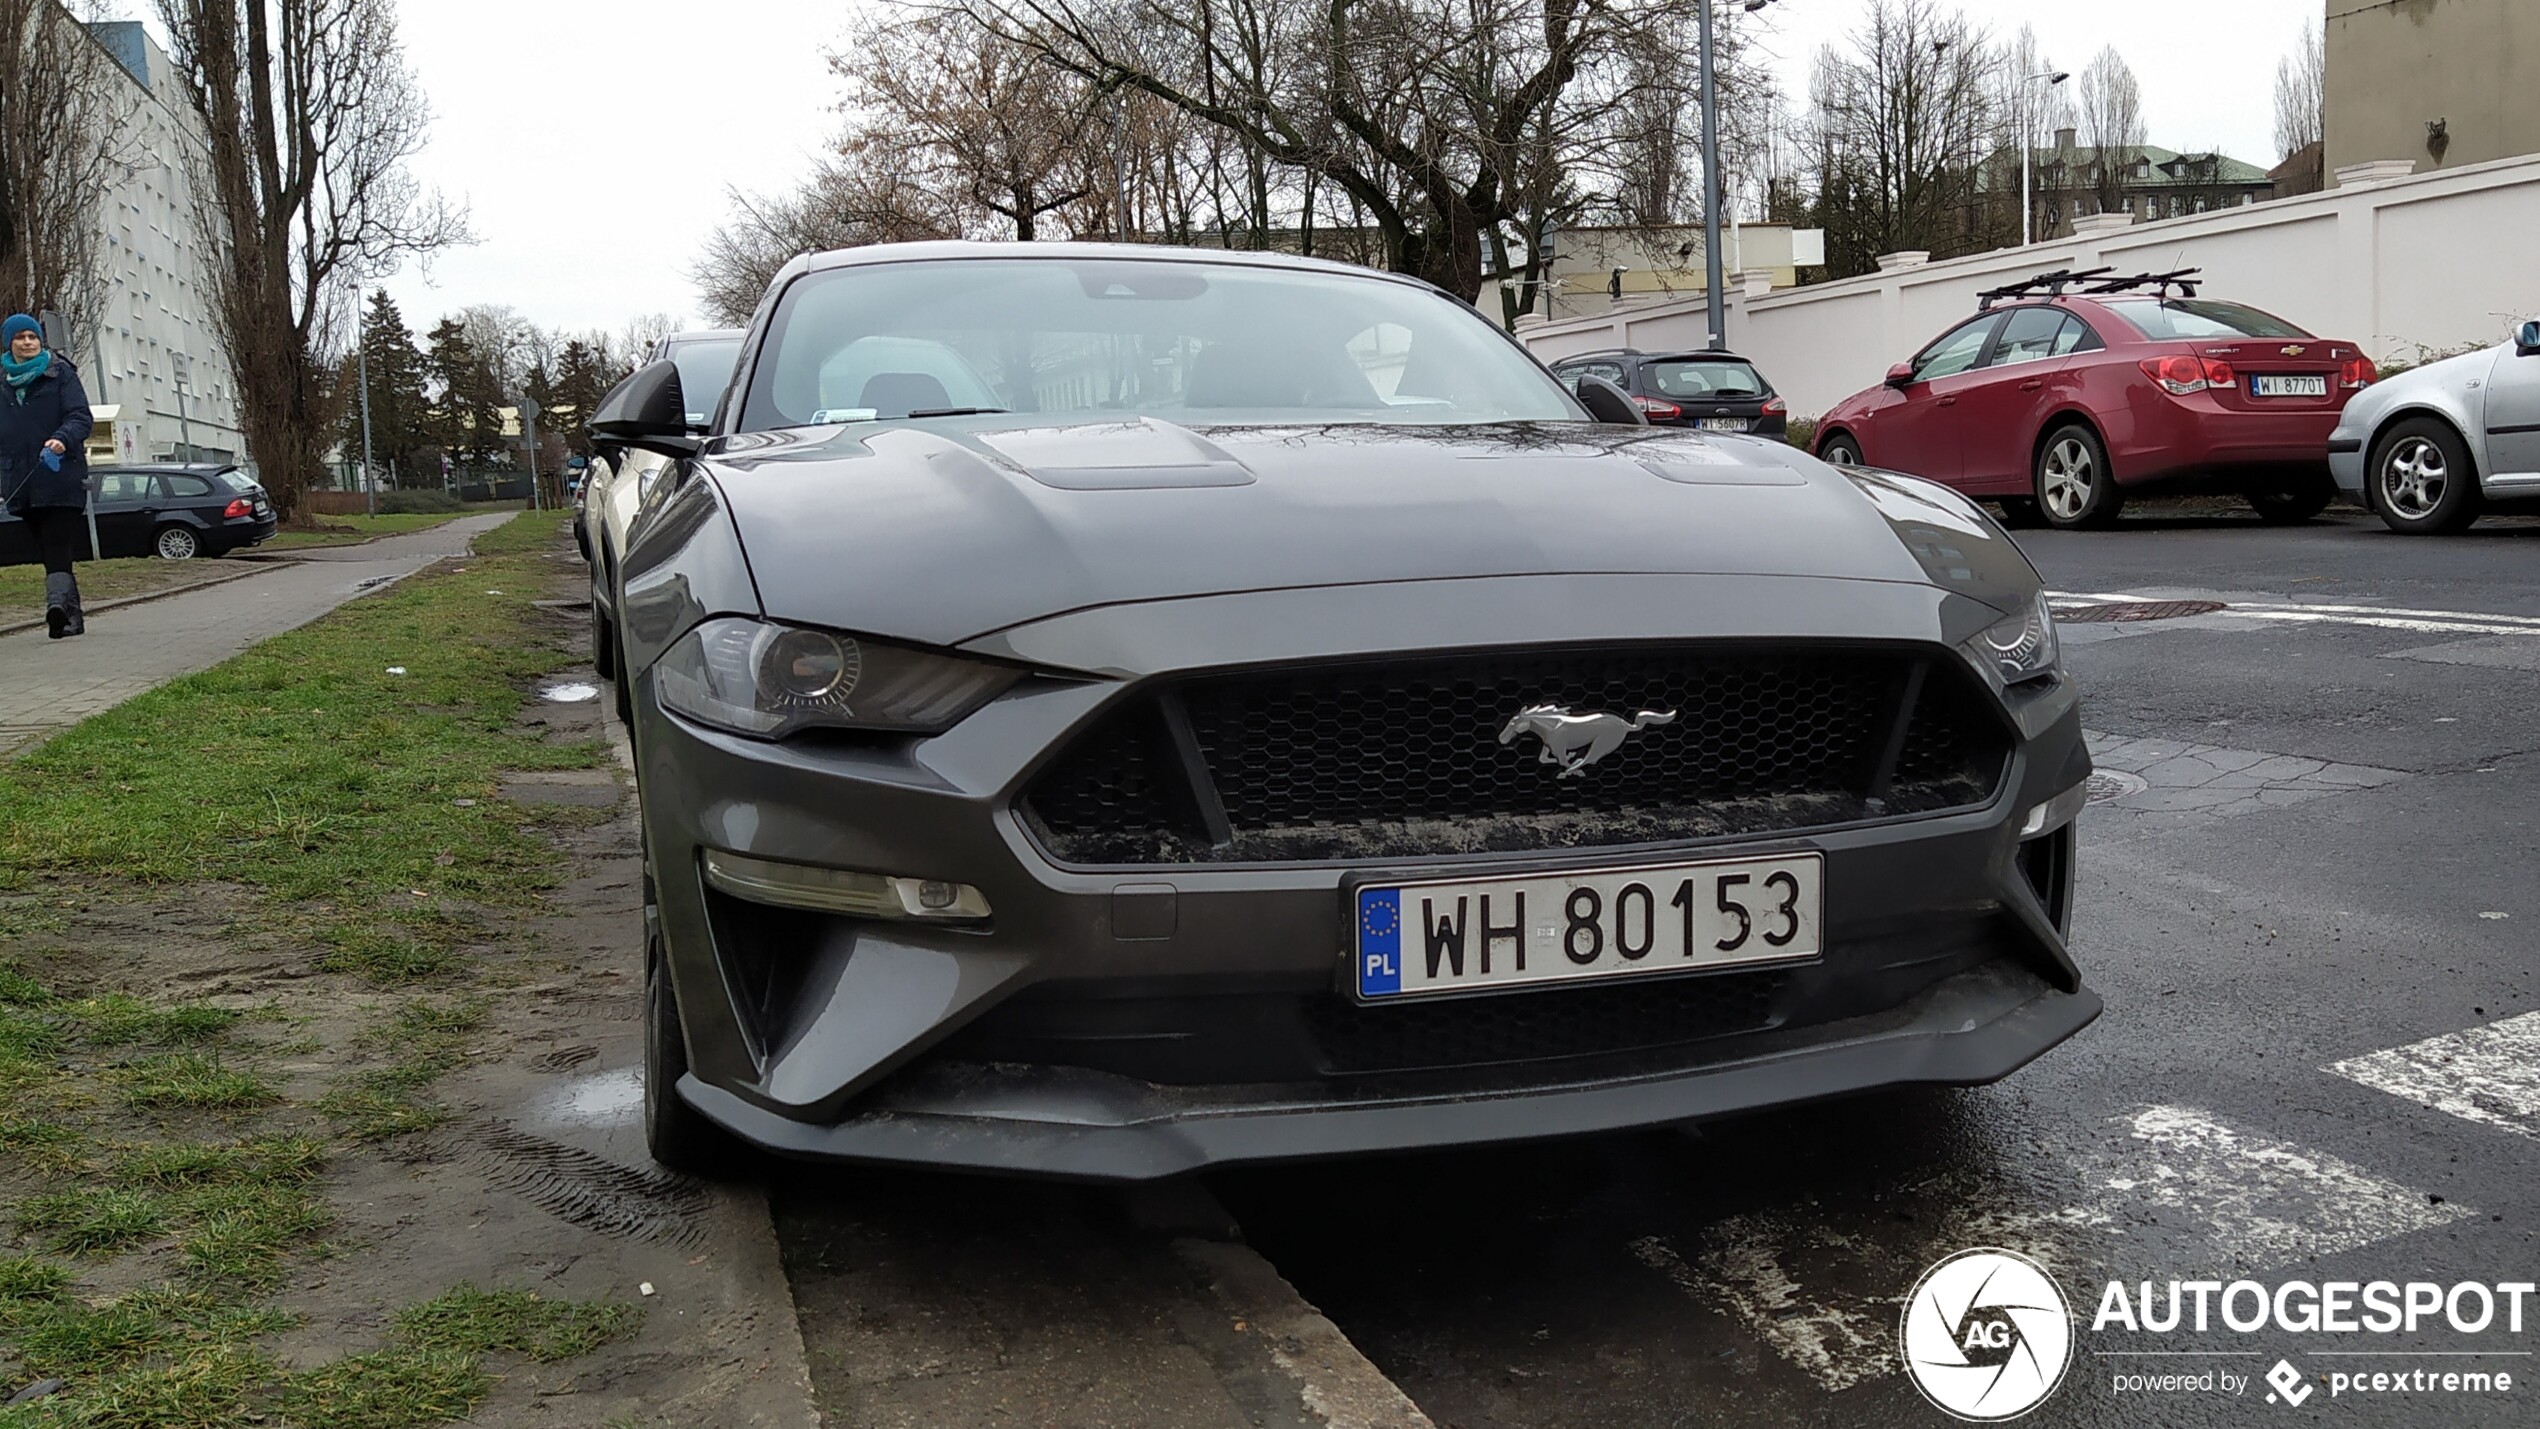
19, 373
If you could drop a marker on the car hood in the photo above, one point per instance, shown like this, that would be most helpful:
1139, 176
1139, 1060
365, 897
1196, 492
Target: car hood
950, 532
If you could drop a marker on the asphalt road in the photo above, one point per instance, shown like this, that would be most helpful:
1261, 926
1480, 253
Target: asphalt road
2316, 856
2254, 923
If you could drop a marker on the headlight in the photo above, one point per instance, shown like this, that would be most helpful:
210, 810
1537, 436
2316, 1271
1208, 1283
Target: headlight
2020, 647
757, 678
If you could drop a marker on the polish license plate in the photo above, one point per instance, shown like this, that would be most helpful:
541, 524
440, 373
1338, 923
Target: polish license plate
1462, 935
263, 510
1724, 424
2262, 385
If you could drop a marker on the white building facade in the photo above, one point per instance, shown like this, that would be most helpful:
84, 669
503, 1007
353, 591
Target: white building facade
156, 358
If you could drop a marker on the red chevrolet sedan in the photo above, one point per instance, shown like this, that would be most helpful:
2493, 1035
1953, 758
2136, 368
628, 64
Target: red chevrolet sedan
2058, 405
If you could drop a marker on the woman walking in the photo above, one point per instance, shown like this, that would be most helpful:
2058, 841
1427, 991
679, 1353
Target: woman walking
44, 423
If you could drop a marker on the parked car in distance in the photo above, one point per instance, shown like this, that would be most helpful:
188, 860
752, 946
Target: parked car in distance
1714, 391
2059, 404
1107, 710
173, 512
615, 481
2432, 447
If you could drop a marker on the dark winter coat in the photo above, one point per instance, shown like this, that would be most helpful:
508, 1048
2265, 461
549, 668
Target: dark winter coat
52, 407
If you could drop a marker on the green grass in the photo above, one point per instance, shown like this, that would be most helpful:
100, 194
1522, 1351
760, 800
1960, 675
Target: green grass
22, 587
345, 530
473, 1321
88, 1221
190, 1082
305, 770
325, 786
386, 1389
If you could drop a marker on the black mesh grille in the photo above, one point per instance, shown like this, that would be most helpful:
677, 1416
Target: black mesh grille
1541, 1023
1406, 759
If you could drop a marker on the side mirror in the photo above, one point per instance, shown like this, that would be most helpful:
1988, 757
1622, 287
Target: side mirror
1901, 375
1610, 404
647, 411
2527, 338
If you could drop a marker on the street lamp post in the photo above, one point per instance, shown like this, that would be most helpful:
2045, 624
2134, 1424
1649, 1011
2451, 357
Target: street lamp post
184, 371
370, 487
1717, 304
2028, 133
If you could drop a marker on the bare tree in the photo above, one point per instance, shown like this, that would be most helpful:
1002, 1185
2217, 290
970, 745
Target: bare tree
637, 340
2301, 81
845, 203
1895, 135
2110, 106
1421, 113
65, 115
311, 116
970, 115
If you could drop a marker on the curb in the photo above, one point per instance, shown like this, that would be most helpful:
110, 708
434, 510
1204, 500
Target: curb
142, 599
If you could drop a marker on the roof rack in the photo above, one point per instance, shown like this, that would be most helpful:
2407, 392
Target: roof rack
2050, 284
2183, 279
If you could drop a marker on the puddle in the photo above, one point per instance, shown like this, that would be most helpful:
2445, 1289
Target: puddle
601, 1099
569, 694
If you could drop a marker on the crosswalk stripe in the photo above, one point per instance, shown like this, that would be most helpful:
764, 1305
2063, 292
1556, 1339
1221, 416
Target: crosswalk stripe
2489, 1075
2256, 1202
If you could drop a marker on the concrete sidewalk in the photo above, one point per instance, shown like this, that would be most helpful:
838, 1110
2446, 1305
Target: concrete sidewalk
46, 685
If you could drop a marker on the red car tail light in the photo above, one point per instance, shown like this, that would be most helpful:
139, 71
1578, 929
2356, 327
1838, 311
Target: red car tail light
237, 508
1656, 408
1775, 407
2358, 372
2180, 374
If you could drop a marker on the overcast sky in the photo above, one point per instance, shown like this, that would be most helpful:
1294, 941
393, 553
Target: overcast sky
593, 141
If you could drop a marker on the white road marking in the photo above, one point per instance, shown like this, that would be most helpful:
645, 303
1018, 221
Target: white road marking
2489, 1074
2376, 617
1838, 1347
2262, 1202
2244, 1201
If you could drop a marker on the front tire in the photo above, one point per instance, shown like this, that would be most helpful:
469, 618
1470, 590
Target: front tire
2075, 489
677, 1134
1840, 450
603, 644
2419, 479
177, 543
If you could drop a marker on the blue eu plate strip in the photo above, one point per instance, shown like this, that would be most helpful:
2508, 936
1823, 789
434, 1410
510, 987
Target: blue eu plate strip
1379, 941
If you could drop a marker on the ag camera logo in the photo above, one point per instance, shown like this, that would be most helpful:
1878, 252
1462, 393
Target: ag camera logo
1987, 1335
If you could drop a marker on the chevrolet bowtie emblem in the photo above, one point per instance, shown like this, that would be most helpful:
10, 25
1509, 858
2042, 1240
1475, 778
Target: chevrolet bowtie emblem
2294, 350
1575, 741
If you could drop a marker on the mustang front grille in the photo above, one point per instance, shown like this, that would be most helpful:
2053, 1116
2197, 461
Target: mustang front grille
1407, 759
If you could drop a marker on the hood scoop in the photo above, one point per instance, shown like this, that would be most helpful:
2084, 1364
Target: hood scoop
1136, 454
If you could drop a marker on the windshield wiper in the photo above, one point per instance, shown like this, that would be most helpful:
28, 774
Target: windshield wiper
957, 412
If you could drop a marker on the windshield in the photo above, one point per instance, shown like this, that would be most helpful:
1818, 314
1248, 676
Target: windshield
1706, 377
2198, 318
1203, 343
705, 369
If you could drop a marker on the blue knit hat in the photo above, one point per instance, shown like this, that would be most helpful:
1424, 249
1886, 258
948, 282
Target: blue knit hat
18, 323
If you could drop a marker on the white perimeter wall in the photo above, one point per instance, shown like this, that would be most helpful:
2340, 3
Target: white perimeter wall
2436, 261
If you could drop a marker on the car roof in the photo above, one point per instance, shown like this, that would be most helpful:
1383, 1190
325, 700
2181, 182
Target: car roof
170, 467
872, 253
1686, 355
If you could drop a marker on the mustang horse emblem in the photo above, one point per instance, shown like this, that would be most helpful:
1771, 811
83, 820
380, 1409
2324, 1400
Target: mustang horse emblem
1575, 741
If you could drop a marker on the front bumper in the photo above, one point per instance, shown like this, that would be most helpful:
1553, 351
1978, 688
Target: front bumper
1134, 1022
1976, 1027
2346, 463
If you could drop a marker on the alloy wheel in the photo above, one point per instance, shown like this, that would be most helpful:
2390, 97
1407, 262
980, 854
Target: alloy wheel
177, 544
2414, 477
2070, 475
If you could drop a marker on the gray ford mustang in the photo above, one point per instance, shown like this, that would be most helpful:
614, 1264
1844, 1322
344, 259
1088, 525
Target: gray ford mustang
1103, 712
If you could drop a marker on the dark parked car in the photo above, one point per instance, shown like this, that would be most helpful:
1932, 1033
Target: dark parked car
1106, 711
174, 512
1715, 391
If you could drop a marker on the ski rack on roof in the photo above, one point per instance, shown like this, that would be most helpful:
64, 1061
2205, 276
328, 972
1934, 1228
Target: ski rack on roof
2092, 282
2049, 284
2183, 279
